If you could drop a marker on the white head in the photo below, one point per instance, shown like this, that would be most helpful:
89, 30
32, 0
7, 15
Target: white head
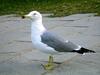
33, 15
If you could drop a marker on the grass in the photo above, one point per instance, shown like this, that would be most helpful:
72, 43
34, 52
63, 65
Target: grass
57, 7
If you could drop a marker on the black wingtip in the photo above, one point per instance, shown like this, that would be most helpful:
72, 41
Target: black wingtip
84, 50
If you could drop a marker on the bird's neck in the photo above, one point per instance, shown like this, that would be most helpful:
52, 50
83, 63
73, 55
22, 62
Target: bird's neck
37, 27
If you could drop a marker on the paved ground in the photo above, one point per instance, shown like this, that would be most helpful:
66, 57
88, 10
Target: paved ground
17, 57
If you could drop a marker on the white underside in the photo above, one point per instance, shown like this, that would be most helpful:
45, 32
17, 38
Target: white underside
45, 48
36, 32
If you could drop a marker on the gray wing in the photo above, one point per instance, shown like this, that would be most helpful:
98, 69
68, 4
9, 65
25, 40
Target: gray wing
57, 43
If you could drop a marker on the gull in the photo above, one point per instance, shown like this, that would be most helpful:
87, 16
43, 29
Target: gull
48, 42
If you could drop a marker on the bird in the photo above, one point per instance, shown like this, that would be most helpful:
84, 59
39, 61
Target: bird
48, 42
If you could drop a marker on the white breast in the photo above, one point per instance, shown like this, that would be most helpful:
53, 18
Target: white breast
36, 32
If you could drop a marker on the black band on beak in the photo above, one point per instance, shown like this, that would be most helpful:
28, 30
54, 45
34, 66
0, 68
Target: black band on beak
23, 17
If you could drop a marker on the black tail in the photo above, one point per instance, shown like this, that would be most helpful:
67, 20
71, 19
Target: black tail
84, 50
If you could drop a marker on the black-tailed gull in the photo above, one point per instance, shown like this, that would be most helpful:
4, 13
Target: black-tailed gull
48, 42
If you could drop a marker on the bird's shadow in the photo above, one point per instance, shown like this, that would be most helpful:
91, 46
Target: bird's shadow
56, 65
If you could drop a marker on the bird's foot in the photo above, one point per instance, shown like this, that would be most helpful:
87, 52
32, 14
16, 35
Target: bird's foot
49, 66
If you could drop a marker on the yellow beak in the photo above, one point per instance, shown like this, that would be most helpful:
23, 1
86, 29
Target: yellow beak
26, 16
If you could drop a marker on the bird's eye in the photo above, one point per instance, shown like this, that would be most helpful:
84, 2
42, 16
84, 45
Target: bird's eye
34, 14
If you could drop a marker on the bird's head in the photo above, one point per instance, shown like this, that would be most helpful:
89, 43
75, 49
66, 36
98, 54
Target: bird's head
33, 15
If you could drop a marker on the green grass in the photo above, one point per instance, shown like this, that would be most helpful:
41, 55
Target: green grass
57, 7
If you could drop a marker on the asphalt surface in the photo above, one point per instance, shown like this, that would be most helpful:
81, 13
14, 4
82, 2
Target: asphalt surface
18, 57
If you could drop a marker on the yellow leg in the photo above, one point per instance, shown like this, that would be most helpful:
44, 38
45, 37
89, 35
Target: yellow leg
50, 59
50, 64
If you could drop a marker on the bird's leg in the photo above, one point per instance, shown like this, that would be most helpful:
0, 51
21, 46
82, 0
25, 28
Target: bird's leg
50, 59
50, 64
